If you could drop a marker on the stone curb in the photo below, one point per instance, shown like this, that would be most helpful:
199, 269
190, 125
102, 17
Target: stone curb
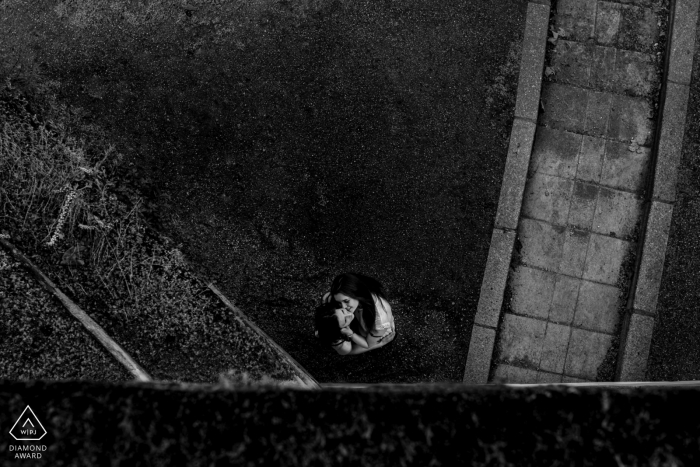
652, 260
510, 201
522, 137
302, 377
638, 326
479, 356
493, 284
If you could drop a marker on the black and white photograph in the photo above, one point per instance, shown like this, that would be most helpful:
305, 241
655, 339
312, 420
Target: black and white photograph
350, 232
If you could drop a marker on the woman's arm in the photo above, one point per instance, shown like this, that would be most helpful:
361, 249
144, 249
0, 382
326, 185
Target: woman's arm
375, 340
355, 338
372, 343
343, 349
356, 344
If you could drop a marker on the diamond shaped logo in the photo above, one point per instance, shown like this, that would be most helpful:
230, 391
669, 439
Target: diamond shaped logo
28, 427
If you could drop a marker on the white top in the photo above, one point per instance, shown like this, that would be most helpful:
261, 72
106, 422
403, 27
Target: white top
384, 320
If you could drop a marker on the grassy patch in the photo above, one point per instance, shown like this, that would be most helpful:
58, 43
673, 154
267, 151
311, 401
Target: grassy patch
63, 205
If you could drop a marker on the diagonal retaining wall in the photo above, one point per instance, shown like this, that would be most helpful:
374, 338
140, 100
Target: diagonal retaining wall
302, 378
522, 136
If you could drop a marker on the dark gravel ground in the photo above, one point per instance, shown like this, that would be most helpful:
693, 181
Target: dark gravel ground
675, 347
391, 167
365, 136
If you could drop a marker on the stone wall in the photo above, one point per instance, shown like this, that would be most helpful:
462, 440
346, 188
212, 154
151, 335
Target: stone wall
151, 424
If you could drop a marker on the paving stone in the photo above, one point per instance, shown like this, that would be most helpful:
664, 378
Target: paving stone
639, 29
554, 346
590, 159
547, 198
634, 73
563, 305
597, 113
573, 256
544, 377
508, 374
603, 68
572, 62
597, 307
564, 107
630, 120
608, 21
555, 152
542, 244
617, 214
626, 26
625, 166
577, 18
637, 2
583, 202
623, 71
521, 341
532, 291
586, 353
604, 259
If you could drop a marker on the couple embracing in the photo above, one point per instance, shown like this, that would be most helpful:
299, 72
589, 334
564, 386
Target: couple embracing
355, 316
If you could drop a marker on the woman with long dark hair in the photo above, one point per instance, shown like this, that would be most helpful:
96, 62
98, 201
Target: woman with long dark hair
362, 313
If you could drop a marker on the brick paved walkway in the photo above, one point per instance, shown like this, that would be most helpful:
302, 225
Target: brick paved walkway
581, 215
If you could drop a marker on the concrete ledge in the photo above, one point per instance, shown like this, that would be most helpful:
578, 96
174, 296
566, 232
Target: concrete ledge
476, 370
436, 424
301, 377
670, 141
493, 284
683, 41
636, 348
526, 110
510, 200
653, 255
532, 61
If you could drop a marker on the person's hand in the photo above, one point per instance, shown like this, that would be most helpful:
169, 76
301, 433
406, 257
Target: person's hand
346, 331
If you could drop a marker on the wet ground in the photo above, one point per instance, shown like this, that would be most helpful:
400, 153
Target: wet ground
366, 137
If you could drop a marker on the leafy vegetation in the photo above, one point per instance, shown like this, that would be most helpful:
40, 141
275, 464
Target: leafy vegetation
64, 205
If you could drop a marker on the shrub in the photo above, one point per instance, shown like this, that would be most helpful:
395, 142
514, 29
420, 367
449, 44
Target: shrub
62, 199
